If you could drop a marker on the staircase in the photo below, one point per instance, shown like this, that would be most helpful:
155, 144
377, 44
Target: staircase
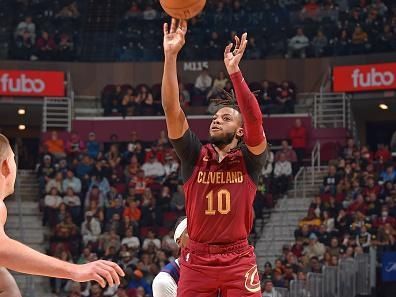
24, 223
285, 216
98, 35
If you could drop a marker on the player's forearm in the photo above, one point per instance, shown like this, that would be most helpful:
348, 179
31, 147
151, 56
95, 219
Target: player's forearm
250, 110
170, 85
19, 257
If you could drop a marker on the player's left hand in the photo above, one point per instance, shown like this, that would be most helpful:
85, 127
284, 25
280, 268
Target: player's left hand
232, 58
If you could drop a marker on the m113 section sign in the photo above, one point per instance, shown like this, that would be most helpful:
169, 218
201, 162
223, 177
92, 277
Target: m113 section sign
32, 83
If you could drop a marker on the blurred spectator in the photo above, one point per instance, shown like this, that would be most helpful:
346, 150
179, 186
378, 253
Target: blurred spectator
69, 11
151, 240
55, 145
149, 13
330, 181
389, 174
71, 182
299, 138
266, 97
269, 290
289, 153
298, 45
46, 46
184, 96
178, 199
55, 182
152, 168
285, 98
74, 145
282, 174
218, 85
90, 229
203, 83
359, 44
26, 29
52, 202
93, 146
319, 43
341, 44
310, 11
131, 241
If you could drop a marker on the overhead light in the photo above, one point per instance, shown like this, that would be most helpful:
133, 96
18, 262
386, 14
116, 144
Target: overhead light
22, 127
383, 106
21, 111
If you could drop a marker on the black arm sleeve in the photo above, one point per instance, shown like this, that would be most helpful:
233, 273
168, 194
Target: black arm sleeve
254, 163
187, 149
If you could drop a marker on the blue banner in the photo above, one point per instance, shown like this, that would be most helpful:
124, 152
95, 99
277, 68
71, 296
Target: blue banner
389, 267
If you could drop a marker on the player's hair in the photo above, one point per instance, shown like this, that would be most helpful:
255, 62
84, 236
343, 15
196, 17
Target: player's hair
226, 99
179, 220
4, 147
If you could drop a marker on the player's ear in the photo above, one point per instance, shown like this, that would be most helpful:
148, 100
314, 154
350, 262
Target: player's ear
240, 132
5, 168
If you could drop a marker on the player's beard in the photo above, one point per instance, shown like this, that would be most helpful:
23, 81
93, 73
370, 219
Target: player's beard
222, 140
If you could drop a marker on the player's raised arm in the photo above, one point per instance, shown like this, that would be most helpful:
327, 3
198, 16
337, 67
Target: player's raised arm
254, 136
174, 39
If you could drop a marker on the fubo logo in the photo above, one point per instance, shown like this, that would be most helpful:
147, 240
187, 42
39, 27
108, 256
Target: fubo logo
21, 84
374, 77
32, 83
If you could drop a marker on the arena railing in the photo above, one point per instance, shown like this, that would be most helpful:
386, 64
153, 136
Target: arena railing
351, 277
315, 160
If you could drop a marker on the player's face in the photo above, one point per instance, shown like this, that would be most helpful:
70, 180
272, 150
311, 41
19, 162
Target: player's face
184, 239
226, 126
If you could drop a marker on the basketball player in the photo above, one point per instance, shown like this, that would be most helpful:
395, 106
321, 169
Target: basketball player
19, 257
220, 180
165, 283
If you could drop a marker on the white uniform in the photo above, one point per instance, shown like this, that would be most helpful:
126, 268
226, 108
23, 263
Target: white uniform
164, 284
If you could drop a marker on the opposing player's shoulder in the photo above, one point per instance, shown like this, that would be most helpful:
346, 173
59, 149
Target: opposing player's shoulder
164, 285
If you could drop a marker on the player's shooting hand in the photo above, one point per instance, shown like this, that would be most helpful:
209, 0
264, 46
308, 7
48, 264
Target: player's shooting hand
100, 271
233, 57
174, 37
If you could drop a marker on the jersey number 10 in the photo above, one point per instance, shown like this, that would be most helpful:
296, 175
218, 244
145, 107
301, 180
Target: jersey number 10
223, 202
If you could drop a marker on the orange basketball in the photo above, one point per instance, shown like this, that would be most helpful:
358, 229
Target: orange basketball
183, 9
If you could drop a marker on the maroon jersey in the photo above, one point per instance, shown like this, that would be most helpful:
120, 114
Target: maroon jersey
219, 195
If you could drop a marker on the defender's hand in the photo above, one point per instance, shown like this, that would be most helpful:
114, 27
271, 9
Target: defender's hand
232, 58
174, 38
100, 271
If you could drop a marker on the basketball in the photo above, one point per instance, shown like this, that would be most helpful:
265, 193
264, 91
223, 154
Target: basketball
183, 9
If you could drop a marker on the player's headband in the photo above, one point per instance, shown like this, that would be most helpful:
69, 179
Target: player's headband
180, 229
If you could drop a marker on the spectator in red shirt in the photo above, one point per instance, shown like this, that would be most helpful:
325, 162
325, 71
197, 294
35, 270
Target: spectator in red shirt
358, 205
75, 145
384, 219
298, 137
371, 187
383, 153
46, 46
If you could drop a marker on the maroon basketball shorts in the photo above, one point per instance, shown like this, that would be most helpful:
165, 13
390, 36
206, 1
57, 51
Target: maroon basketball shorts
207, 269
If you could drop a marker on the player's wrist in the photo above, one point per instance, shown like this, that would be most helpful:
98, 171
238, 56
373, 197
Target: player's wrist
233, 69
171, 56
71, 271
